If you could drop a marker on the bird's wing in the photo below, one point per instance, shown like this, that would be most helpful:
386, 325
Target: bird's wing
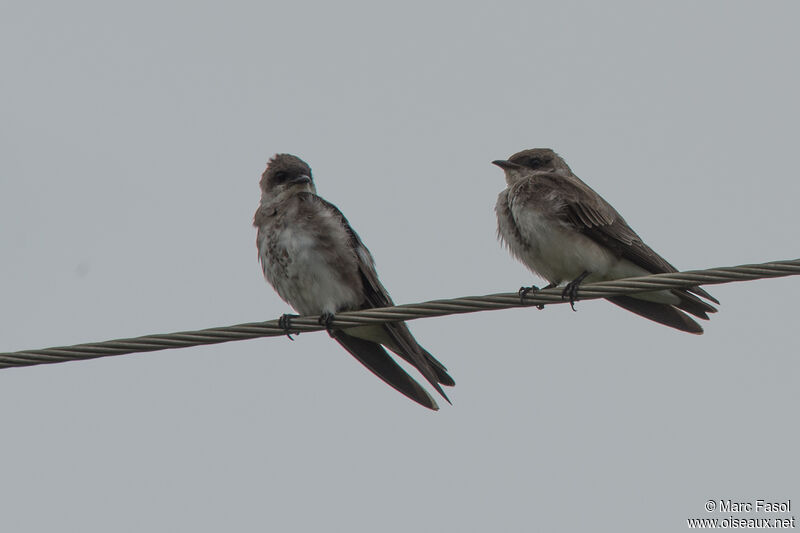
590, 214
374, 357
661, 313
376, 295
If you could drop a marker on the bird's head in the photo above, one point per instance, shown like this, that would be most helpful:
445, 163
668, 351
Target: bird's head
523, 164
286, 174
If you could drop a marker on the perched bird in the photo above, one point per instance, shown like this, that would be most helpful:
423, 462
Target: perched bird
317, 263
564, 231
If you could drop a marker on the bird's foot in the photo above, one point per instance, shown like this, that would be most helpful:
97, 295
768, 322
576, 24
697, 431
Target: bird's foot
326, 319
523, 292
571, 290
285, 323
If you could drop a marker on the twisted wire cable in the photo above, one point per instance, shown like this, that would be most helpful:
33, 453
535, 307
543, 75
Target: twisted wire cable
433, 308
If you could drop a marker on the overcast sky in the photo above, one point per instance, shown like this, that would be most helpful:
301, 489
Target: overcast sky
133, 138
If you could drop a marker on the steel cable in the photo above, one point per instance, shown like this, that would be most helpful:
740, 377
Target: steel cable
467, 304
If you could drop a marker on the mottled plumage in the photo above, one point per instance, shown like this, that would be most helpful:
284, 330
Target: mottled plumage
317, 263
560, 228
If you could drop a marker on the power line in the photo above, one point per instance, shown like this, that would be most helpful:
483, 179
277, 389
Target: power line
468, 304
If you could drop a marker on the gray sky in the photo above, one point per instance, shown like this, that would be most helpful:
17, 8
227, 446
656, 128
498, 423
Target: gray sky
133, 140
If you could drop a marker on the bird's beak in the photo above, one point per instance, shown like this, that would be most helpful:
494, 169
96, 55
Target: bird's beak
505, 165
302, 178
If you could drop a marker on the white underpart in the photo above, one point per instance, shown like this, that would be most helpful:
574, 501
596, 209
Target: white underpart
560, 254
313, 284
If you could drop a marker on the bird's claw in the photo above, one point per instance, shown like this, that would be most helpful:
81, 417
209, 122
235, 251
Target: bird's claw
523, 292
285, 323
570, 292
326, 319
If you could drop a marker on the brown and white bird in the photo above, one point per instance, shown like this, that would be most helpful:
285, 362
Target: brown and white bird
317, 263
565, 232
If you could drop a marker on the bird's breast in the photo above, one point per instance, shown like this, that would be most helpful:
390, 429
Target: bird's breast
554, 249
311, 266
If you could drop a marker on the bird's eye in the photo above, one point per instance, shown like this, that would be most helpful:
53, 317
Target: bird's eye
280, 176
534, 162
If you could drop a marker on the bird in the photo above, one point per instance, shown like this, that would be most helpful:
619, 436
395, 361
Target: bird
317, 263
565, 232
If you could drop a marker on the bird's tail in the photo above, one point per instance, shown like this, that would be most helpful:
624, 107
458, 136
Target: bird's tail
380, 363
662, 313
